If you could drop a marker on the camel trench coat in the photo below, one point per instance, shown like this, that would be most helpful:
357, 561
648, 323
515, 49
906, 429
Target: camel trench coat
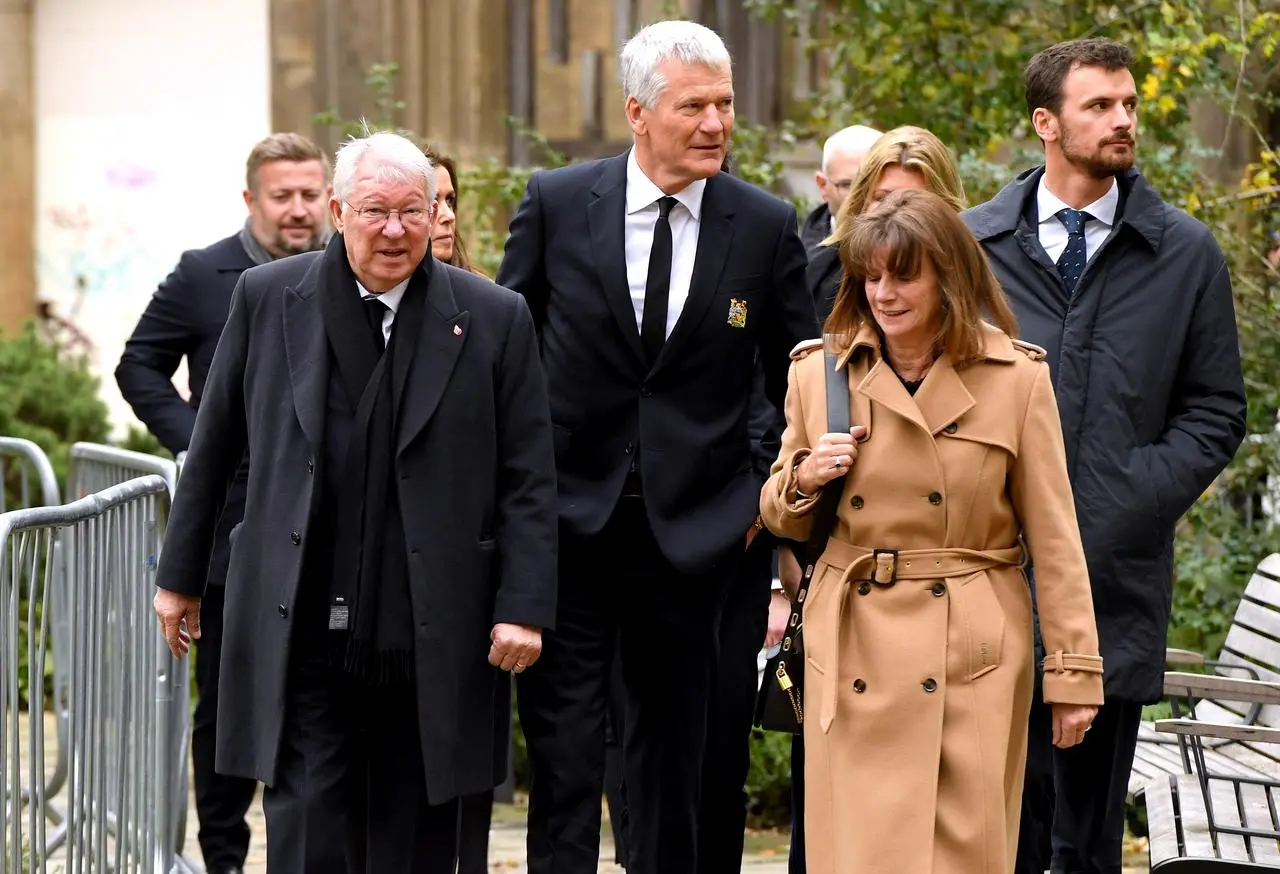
918, 673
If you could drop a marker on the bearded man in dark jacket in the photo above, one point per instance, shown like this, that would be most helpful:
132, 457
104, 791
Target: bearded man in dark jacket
1131, 298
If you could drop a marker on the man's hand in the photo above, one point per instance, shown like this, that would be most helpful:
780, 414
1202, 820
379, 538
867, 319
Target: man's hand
779, 613
1070, 722
515, 647
179, 619
789, 572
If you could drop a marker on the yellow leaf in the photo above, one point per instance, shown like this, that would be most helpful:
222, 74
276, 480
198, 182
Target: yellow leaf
1184, 71
1150, 87
1193, 203
1166, 104
1263, 179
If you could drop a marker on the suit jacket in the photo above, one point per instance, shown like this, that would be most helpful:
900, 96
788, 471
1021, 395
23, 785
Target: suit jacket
476, 483
824, 272
184, 320
688, 416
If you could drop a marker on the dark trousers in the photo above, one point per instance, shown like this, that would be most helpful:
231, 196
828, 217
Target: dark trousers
475, 813
221, 802
617, 591
350, 795
722, 816
795, 859
1090, 782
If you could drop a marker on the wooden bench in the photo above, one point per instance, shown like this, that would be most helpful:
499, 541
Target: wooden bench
1211, 780
1251, 651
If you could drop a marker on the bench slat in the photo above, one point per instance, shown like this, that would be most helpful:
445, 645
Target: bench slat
1162, 837
1259, 816
1194, 819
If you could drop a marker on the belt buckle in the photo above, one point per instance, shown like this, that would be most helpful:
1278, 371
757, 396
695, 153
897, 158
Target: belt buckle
886, 567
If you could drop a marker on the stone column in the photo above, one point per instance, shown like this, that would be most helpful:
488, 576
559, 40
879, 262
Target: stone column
17, 164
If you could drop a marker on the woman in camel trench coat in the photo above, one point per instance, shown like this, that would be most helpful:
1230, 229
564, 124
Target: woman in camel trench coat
918, 671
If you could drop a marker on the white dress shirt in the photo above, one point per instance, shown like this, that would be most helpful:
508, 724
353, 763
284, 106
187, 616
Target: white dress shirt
391, 298
642, 215
1053, 233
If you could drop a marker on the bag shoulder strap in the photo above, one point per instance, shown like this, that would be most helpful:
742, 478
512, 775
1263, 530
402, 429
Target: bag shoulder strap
824, 514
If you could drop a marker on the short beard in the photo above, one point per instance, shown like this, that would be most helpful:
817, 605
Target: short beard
1096, 166
283, 245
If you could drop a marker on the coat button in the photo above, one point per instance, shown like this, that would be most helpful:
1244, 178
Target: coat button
856, 502
311, 466
951, 429
295, 537
283, 610
939, 589
859, 686
864, 588
930, 685
935, 498
646, 392
629, 448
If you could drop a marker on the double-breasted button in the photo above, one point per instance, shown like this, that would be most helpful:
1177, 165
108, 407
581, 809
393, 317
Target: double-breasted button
951, 429
856, 502
295, 537
864, 588
283, 610
935, 498
930, 685
939, 589
859, 686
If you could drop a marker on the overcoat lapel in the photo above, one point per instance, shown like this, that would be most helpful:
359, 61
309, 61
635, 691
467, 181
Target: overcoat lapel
443, 334
307, 353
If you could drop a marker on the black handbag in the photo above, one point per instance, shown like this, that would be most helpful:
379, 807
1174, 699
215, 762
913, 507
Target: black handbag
780, 700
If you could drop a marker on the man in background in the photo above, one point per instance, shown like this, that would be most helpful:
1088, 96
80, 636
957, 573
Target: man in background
286, 192
842, 156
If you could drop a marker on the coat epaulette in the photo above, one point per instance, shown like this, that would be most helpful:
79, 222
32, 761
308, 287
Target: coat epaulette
1031, 350
804, 348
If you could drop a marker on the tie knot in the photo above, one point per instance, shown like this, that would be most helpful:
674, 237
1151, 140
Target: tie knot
664, 206
1073, 219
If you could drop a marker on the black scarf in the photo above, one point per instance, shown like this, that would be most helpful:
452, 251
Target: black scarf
369, 604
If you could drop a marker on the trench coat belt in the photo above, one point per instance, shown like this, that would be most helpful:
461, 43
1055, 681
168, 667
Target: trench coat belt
888, 566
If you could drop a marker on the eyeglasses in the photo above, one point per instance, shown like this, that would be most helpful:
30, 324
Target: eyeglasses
842, 184
377, 216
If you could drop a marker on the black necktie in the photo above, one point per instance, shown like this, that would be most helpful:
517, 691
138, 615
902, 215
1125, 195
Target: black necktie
374, 310
657, 286
1073, 258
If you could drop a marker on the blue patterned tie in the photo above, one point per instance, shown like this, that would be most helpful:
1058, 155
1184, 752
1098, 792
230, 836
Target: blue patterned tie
1073, 258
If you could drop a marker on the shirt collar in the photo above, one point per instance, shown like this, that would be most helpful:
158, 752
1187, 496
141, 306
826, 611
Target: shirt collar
642, 193
1103, 209
390, 297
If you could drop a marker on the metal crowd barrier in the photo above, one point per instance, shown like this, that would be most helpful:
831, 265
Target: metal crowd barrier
30, 462
93, 467
37, 486
124, 685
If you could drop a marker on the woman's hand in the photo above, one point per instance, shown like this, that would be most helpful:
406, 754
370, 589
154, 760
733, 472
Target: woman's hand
1070, 722
832, 457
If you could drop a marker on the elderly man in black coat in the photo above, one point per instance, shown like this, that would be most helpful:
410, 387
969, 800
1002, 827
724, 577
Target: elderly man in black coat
1132, 301
397, 552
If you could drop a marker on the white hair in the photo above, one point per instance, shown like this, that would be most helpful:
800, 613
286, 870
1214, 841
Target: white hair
855, 140
685, 41
388, 157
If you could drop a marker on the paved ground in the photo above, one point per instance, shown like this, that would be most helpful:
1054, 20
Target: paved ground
767, 853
